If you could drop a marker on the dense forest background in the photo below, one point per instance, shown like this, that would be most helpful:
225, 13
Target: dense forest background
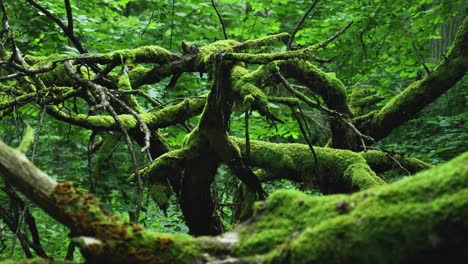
388, 46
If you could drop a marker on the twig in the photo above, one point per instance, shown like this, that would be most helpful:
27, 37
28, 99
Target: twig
317, 105
306, 99
172, 25
421, 59
147, 24
69, 15
6, 27
388, 154
299, 24
143, 126
104, 103
36, 140
336, 35
247, 136
18, 228
68, 30
220, 19
134, 163
92, 183
360, 135
141, 93
304, 134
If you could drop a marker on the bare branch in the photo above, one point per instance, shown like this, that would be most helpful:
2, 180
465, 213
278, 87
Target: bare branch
69, 15
220, 19
420, 58
336, 35
299, 24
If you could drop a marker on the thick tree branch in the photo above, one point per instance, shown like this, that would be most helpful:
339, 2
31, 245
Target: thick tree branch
170, 115
420, 93
336, 171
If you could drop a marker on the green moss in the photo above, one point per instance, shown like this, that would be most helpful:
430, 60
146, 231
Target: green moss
361, 176
246, 91
326, 85
145, 54
58, 76
109, 143
129, 100
337, 170
422, 92
262, 74
27, 141
160, 194
387, 224
169, 115
204, 58
359, 99
380, 161
121, 242
164, 165
261, 42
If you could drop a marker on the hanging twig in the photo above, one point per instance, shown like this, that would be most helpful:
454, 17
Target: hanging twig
92, 183
35, 244
143, 126
67, 29
388, 154
38, 132
104, 103
18, 228
304, 98
172, 25
299, 24
6, 28
147, 24
421, 59
360, 135
317, 105
247, 136
134, 163
220, 19
336, 35
69, 15
304, 134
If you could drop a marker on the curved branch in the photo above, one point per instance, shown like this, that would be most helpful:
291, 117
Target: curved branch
299, 24
170, 115
336, 171
220, 19
420, 93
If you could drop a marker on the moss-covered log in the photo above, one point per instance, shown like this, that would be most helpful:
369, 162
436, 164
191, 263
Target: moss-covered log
418, 219
101, 236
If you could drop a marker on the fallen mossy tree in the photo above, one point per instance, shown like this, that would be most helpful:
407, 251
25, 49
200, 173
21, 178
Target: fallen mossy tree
108, 95
422, 218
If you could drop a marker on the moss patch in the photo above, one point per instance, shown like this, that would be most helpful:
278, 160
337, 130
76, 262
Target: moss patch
388, 224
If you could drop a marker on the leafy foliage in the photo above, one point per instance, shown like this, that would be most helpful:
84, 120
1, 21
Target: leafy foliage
376, 53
